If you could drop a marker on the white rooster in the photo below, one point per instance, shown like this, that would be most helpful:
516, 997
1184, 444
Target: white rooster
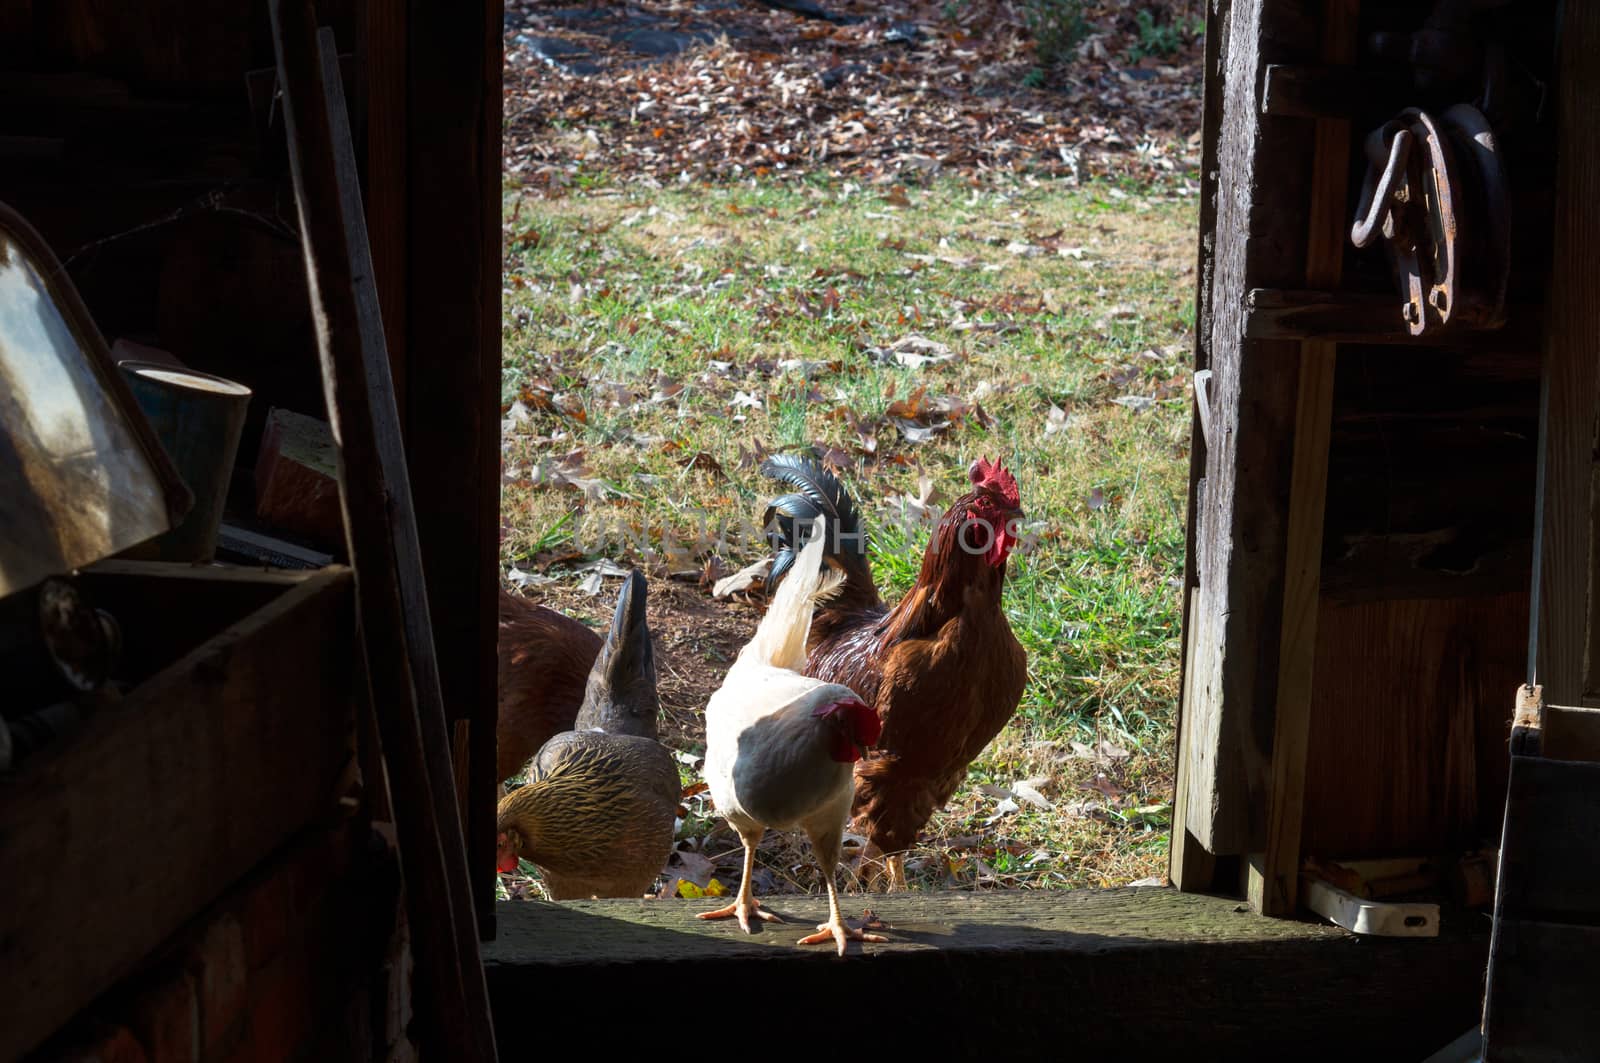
781, 747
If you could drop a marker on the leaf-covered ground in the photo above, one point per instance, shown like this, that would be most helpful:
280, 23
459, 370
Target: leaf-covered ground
906, 89
679, 301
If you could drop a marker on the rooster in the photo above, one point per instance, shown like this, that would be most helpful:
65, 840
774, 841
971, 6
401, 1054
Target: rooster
544, 660
942, 668
780, 747
599, 812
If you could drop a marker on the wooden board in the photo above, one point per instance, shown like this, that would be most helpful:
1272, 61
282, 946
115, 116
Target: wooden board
1566, 610
452, 412
120, 833
196, 601
1240, 528
1570, 733
375, 496
1550, 857
1541, 1006
1190, 866
1415, 766
1081, 974
1279, 863
1543, 982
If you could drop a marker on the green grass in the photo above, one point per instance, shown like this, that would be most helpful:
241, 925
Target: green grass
623, 306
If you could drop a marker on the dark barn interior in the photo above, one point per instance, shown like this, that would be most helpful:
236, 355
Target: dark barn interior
266, 833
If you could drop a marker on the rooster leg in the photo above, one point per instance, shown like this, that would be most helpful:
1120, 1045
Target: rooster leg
834, 929
745, 905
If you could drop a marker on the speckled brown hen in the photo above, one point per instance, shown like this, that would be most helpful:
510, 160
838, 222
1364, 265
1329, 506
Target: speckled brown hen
598, 812
544, 665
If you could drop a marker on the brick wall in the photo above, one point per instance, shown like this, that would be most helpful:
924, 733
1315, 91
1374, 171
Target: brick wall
305, 960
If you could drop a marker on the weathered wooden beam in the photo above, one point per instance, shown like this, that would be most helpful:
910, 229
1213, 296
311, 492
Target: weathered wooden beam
1190, 865
381, 527
1031, 967
1239, 531
177, 791
1279, 863
452, 411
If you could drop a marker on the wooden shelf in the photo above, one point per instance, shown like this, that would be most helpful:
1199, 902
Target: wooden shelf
1350, 92
1362, 317
123, 830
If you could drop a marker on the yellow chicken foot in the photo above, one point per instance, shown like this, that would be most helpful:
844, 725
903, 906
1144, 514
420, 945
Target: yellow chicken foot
834, 929
744, 905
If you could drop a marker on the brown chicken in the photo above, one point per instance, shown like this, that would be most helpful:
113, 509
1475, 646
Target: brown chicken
598, 813
544, 665
942, 668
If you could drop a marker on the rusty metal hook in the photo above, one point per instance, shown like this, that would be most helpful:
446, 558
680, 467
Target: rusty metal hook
1377, 190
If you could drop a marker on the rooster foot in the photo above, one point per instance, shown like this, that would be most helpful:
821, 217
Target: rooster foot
744, 912
836, 930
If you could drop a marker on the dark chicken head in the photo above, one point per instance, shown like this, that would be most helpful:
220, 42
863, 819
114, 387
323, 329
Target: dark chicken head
855, 727
994, 512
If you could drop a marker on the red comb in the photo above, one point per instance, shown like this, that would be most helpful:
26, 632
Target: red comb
994, 476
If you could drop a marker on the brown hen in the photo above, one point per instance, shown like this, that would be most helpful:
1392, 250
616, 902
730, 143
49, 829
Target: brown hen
598, 813
942, 668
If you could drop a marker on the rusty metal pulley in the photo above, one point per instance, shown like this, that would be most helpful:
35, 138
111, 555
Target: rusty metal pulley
1436, 192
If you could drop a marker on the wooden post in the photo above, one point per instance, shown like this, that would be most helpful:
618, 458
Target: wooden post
1278, 868
380, 526
452, 412
1190, 865
1239, 526
1569, 547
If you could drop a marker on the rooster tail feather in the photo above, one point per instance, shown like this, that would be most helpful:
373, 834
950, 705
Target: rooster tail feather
816, 493
780, 640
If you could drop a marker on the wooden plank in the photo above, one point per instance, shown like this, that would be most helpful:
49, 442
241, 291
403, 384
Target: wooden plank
196, 601
375, 494
1358, 93
1566, 611
177, 792
1189, 863
1541, 1002
1190, 866
1542, 977
1259, 241
382, 56
1408, 724
1571, 733
1550, 857
1308, 495
1591, 661
1367, 317
452, 416
1264, 988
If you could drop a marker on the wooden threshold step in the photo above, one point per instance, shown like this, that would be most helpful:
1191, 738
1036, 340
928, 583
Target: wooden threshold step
1070, 974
